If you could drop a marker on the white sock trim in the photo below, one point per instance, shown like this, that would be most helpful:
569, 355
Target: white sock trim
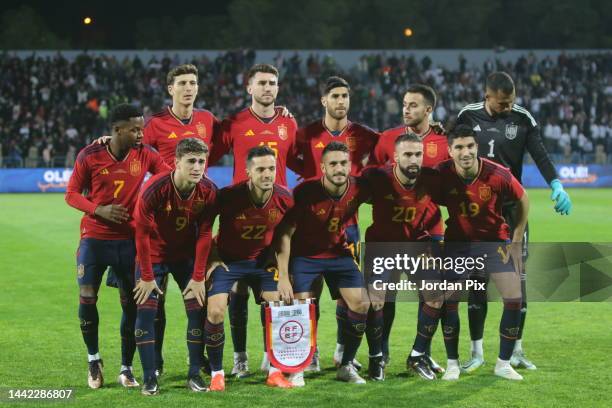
93, 357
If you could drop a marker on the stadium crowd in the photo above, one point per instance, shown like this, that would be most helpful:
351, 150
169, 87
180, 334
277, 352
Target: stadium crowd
51, 107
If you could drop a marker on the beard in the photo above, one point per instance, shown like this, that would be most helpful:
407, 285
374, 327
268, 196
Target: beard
336, 115
265, 102
337, 183
411, 172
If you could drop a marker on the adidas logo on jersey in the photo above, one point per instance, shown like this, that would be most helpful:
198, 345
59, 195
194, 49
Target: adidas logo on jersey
389, 197
104, 172
321, 212
249, 133
320, 145
172, 136
241, 217
453, 192
477, 128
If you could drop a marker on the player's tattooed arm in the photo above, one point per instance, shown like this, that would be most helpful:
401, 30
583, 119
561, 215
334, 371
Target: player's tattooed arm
113, 212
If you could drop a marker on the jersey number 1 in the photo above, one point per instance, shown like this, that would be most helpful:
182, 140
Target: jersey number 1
491, 147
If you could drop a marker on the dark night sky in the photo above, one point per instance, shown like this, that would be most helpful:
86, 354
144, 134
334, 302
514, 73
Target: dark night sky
113, 19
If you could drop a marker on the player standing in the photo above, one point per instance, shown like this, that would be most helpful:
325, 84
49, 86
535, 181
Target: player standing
174, 217
361, 140
418, 105
248, 213
261, 124
313, 234
474, 191
164, 130
111, 174
506, 131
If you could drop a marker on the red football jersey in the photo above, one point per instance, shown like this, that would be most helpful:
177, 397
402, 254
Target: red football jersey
109, 181
312, 139
245, 229
164, 130
171, 228
246, 130
320, 219
435, 147
475, 209
400, 213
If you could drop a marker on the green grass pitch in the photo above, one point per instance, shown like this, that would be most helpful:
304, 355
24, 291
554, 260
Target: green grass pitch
41, 344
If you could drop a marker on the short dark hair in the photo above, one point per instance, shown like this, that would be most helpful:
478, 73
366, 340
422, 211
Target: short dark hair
335, 147
265, 68
123, 112
460, 131
191, 145
181, 70
408, 137
500, 81
426, 91
335, 82
259, 151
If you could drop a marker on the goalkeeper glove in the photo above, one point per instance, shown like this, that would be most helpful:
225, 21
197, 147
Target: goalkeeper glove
563, 204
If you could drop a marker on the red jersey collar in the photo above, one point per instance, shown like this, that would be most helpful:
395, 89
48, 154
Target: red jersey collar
179, 119
348, 124
259, 118
348, 186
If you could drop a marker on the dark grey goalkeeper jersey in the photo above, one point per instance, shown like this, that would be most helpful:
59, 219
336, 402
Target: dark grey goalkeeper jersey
506, 139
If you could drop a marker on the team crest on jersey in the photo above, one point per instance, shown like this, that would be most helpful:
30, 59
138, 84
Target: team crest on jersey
201, 129
511, 131
80, 270
432, 150
198, 206
282, 132
135, 168
484, 192
273, 215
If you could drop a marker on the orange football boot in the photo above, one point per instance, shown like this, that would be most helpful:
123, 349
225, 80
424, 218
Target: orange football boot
277, 379
217, 383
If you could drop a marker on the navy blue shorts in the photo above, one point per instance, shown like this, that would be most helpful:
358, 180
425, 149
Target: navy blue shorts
95, 255
341, 272
222, 280
353, 238
181, 272
495, 257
